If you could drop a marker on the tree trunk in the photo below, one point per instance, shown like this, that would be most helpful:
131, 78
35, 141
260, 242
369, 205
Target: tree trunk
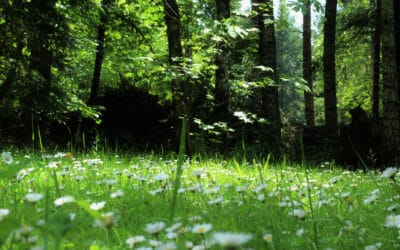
180, 98
41, 57
101, 30
221, 91
397, 37
331, 115
267, 57
307, 72
391, 110
376, 60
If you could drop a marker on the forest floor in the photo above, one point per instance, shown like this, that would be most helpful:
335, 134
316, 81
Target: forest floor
107, 201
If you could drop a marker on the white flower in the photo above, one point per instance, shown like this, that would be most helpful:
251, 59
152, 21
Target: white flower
390, 172
132, 241
97, 205
3, 213
228, 239
7, 157
373, 197
393, 221
33, 197
201, 228
116, 194
108, 220
161, 177
267, 237
300, 232
166, 246
299, 213
155, 228
63, 200
375, 246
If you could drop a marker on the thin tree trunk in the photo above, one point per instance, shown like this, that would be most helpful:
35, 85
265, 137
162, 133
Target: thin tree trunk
391, 110
101, 30
397, 37
331, 115
267, 57
307, 71
376, 60
221, 91
180, 99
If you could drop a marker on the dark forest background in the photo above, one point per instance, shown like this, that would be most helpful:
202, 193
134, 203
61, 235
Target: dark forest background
243, 79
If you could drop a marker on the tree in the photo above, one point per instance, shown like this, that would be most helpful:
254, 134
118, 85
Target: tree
307, 62
221, 91
269, 102
180, 103
391, 110
329, 65
376, 59
101, 30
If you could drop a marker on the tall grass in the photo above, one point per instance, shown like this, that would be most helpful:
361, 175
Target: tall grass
106, 201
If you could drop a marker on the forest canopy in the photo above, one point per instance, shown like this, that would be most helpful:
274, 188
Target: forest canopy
125, 73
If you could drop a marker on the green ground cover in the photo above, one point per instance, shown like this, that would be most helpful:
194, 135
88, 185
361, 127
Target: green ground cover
104, 201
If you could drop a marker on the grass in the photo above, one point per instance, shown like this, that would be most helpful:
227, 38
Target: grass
118, 198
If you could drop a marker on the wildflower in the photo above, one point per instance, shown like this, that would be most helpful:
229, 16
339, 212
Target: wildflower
63, 200
268, 238
201, 228
72, 216
116, 194
7, 157
231, 240
372, 198
199, 173
393, 221
33, 197
161, 177
299, 213
132, 241
261, 197
390, 173
155, 228
108, 220
97, 205
375, 246
21, 174
300, 232
3, 213
166, 246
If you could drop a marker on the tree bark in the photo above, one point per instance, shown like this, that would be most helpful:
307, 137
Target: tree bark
180, 99
307, 71
221, 91
267, 57
376, 60
101, 30
41, 57
391, 109
397, 37
331, 115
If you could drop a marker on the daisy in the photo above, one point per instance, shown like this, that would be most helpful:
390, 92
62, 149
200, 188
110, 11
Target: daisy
116, 194
267, 237
201, 228
155, 228
97, 205
33, 197
230, 240
299, 213
132, 241
63, 200
7, 157
3, 213
393, 221
390, 172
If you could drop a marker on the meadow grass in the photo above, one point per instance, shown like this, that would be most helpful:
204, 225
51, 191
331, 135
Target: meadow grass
103, 201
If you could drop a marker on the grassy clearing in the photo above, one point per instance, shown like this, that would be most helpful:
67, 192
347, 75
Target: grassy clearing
100, 201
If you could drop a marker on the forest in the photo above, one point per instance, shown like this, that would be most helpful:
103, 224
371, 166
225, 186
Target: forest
297, 79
